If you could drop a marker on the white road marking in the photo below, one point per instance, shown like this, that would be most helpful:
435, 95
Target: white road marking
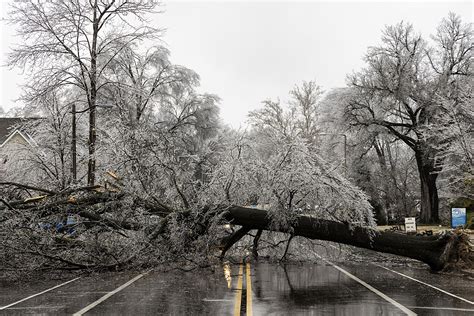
424, 283
36, 307
34, 295
443, 308
106, 296
371, 288
217, 300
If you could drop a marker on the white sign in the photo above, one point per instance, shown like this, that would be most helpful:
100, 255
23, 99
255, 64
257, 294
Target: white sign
410, 225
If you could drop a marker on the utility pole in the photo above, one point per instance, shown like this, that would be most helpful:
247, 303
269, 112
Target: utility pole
73, 144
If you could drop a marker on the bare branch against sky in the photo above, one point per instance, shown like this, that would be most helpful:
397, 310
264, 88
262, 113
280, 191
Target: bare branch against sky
247, 51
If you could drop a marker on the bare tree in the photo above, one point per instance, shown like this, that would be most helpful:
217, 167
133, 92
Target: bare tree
402, 87
144, 81
454, 125
300, 117
305, 100
73, 42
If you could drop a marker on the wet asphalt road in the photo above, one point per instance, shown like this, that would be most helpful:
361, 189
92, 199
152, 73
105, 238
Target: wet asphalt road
292, 289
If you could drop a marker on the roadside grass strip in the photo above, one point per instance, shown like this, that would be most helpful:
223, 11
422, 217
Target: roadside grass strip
108, 295
238, 295
371, 288
424, 283
249, 291
34, 295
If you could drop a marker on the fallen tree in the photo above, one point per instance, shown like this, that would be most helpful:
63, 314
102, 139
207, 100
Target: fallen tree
439, 251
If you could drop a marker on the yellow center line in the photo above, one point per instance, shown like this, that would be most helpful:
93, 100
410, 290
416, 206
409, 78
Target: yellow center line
238, 295
249, 291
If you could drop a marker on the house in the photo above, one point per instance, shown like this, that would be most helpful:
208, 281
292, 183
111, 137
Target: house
13, 136
12, 131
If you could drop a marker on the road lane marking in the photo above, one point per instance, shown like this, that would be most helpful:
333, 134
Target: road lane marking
216, 300
29, 308
249, 290
424, 283
419, 281
238, 295
443, 308
106, 296
34, 295
371, 288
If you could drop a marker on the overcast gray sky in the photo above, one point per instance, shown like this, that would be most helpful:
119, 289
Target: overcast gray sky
247, 51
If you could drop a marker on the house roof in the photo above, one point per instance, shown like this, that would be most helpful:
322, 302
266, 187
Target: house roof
7, 126
10, 125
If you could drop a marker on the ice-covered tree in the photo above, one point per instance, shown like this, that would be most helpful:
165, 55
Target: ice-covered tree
46, 159
143, 79
403, 86
452, 132
72, 43
378, 162
275, 166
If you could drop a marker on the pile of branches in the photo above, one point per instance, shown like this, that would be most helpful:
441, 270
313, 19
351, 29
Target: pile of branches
91, 228
71, 229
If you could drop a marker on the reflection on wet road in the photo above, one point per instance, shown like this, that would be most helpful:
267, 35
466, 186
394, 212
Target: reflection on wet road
262, 288
318, 289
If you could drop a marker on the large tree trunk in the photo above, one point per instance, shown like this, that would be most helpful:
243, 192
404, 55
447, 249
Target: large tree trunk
382, 216
429, 191
437, 251
429, 198
91, 165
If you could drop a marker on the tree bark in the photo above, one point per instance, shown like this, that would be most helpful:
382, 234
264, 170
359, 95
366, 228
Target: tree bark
255, 244
428, 189
382, 218
91, 165
287, 247
436, 251
232, 239
73, 144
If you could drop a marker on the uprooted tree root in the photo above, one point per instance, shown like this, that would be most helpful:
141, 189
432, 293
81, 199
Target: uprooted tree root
459, 253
